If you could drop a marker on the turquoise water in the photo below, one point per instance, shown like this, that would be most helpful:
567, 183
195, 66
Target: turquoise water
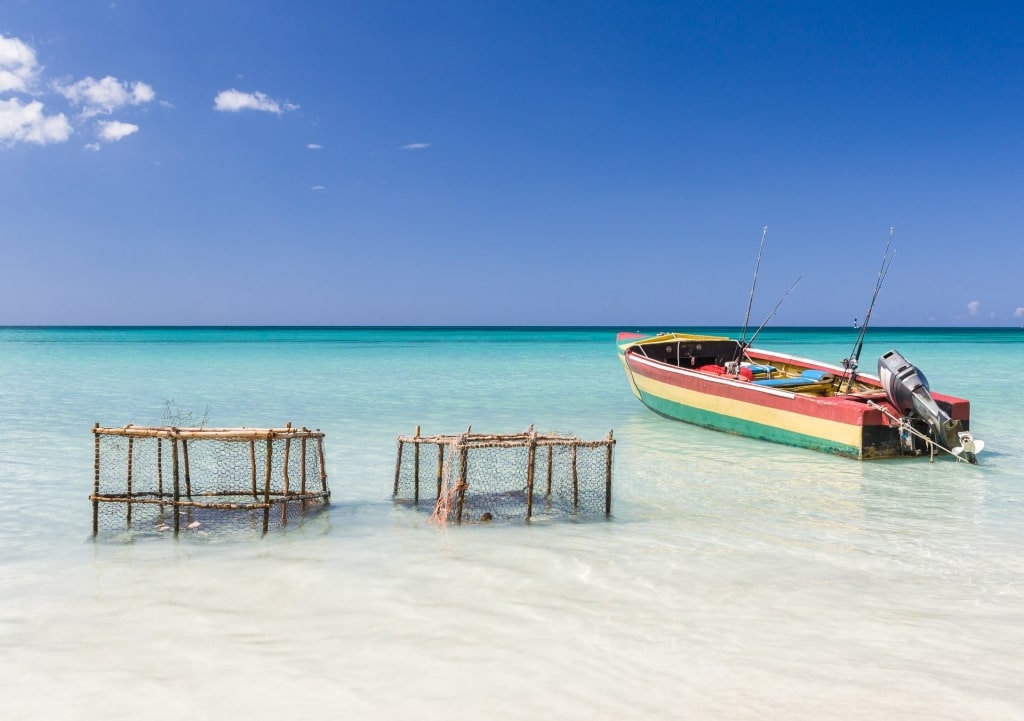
736, 579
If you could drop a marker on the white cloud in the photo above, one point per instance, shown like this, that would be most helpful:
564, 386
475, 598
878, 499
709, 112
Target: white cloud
232, 101
95, 147
102, 97
28, 124
1018, 313
318, 188
973, 306
114, 130
415, 146
314, 146
26, 120
17, 65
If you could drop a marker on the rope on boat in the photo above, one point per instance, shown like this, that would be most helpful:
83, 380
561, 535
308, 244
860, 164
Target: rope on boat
905, 425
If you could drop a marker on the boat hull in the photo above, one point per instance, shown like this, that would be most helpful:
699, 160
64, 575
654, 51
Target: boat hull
855, 426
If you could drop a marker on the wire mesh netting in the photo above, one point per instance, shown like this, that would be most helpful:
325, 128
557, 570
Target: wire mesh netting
156, 480
477, 477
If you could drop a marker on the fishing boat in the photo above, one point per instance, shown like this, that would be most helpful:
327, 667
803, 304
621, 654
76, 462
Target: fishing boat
728, 385
718, 383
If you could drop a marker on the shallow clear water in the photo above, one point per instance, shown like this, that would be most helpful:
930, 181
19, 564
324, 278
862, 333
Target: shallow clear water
736, 579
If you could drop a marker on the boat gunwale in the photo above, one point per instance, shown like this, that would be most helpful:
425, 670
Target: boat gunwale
627, 343
755, 387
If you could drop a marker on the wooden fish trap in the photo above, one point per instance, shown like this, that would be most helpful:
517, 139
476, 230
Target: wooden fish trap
158, 479
479, 477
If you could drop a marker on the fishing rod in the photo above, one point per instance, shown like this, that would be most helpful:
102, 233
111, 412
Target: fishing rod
753, 285
851, 362
770, 315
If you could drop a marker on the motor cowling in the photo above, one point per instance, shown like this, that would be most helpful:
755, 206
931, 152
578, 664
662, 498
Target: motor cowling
908, 390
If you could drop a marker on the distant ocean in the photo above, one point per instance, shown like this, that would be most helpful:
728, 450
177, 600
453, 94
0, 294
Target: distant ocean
736, 579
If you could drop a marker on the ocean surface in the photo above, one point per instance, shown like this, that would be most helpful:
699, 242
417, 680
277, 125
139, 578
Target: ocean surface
736, 579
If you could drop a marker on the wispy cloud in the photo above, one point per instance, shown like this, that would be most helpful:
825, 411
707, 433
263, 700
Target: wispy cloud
314, 146
114, 130
1018, 313
318, 188
973, 307
415, 146
233, 101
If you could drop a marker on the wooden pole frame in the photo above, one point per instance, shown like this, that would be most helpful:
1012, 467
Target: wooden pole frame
184, 495
467, 443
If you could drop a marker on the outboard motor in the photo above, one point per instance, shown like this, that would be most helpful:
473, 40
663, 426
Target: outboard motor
908, 390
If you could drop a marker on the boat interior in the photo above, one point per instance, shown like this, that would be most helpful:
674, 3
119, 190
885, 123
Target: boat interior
691, 353
726, 357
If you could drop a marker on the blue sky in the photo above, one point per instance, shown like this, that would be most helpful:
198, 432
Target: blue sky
524, 163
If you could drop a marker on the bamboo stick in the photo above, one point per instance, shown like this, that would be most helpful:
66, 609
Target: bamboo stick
266, 483
287, 458
160, 467
303, 463
177, 486
323, 465
529, 477
608, 476
551, 453
252, 465
506, 441
188, 477
239, 434
96, 482
287, 453
463, 482
416, 469
275, 496
575, 483
398, 467
131, 453
440, 468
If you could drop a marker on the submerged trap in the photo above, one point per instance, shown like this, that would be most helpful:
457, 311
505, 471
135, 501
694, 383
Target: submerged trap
164, 479
479, 477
